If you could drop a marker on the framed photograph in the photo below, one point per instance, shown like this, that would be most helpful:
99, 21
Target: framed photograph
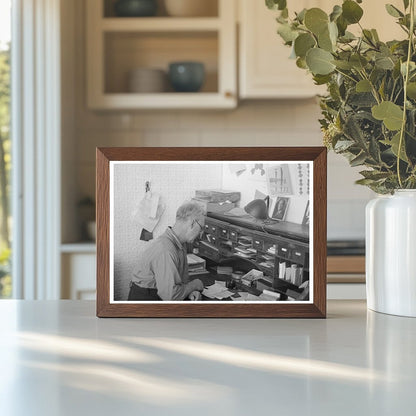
198, 232
280, 208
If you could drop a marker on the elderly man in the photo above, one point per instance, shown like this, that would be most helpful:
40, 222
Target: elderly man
163, 270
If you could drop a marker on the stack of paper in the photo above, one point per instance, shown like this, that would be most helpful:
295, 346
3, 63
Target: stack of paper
216, 291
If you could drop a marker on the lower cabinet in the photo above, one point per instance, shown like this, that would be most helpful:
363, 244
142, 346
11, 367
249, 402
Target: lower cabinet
78, 276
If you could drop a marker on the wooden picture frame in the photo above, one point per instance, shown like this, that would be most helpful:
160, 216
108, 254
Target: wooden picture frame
287, 245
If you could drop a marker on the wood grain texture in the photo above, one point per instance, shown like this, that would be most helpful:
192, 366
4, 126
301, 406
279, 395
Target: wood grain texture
185, 309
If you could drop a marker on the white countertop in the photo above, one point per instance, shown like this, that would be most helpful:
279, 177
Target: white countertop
57, 358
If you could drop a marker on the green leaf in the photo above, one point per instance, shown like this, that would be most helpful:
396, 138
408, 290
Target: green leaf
358, 61
411, 90
276, 4
301, 63
336, 12
287, 33
351, 11
391, 114
321, 79
363, 86
325, 42
406, 4
316, 20
303, 43
375, 35
359, 160
301, 15
344, 65
384, 62
393, 11
394, 143
319, 61
343, 145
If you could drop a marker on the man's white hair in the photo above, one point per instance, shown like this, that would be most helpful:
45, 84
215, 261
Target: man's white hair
190, 210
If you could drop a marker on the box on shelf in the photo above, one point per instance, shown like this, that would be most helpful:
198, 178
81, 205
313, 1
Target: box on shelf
220, 207
217, 195
196, 265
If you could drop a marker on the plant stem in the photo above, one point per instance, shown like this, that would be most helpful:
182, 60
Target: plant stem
406, 79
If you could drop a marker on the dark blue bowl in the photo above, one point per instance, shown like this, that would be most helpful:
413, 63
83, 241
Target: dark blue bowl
135, 8
186, 76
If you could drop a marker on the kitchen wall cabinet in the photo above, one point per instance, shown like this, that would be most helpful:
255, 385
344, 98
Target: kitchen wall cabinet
117, 45
265, 69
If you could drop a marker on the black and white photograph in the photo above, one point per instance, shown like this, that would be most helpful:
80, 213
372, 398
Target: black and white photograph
184, 231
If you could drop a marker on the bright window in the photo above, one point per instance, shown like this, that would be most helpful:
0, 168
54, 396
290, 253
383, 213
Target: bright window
5, 147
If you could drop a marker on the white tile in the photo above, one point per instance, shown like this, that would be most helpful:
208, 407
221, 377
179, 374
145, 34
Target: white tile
168, 138
156, 119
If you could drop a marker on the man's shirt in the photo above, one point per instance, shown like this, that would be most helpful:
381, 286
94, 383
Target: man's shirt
163, 266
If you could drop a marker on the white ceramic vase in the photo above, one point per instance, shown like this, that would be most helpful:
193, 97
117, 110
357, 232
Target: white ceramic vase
391, 253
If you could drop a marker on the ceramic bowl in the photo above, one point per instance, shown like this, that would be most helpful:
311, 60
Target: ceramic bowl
186, 76
135, 8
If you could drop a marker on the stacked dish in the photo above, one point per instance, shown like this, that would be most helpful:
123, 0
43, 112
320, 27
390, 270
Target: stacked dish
147, 80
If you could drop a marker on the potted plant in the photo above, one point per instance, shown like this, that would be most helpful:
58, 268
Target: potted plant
368, 116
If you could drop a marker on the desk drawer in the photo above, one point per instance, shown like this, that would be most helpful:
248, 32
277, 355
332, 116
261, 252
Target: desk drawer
211, 229
224, 233
258, 243
233, 235
284, 251
297, 255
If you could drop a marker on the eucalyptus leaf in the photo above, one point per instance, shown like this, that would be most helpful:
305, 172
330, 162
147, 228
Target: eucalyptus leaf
321, 79
301, 63
303, 43
393, 11
358, 61
411, 90
316, 20
383, 62
375, 35
351, 11
345, 65
325, 42
391, 114
406, 4
301, 15
363, 86
319, 61
276, 4
336, 12
287, 33
342, 25
394, 143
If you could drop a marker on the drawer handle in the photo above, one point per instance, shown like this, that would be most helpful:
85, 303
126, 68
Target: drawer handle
257, 242
213, 229
284, 249
297, 253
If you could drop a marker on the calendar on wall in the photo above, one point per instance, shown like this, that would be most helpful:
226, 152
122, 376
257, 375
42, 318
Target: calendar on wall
279, 181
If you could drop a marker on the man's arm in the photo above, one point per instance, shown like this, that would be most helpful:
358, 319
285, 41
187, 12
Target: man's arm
168, 280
